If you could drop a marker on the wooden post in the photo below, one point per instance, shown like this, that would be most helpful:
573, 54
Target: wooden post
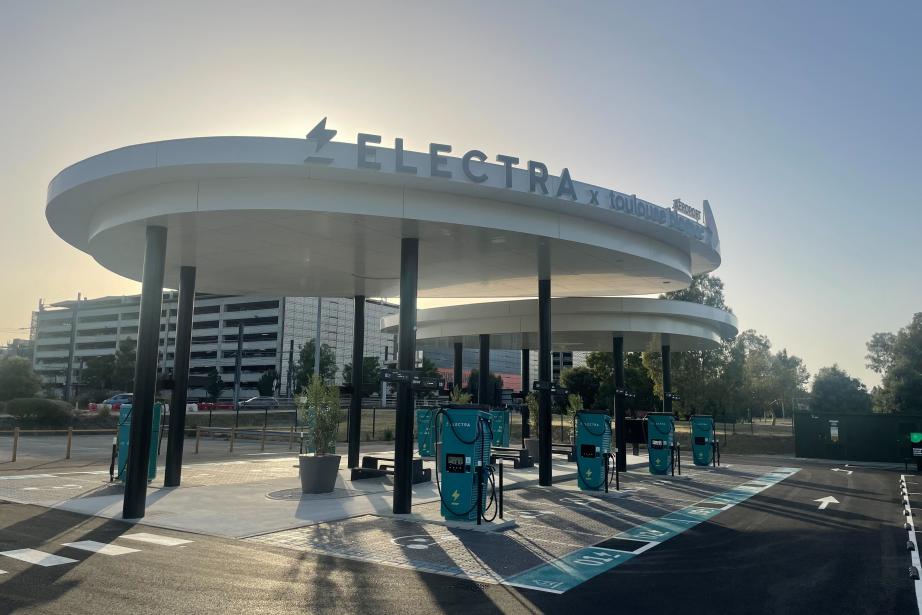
291, 438
262, 444
198, 437
70, 437
15, 442
233, 435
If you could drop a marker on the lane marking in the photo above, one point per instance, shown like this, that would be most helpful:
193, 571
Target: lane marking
39, 558
914, 554
824, 502
99, 547
156, 539
577, 567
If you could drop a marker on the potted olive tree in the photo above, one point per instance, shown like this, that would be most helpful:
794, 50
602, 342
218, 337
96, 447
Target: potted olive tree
457, 396
531, 443
318, 409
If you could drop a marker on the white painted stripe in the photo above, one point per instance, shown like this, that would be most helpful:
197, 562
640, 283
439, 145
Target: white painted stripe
39, 558
914, 554
166, 541
646, 547
27, 476
2, 571
100, 547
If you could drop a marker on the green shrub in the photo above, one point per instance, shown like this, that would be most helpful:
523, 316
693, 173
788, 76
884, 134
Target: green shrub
48, 412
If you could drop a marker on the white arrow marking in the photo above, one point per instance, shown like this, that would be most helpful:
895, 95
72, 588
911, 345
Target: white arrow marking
841, 470
824, 502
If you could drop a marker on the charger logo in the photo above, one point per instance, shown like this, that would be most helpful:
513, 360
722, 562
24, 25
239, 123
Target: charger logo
455, 496
461, 424
588, 473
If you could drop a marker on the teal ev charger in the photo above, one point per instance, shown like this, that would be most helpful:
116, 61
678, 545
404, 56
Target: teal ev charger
124, 437
500, 425
463, 460
660, 438
593, 448
425, 438
702, 431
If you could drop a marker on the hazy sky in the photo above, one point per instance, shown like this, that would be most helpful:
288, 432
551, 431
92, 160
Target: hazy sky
799, 121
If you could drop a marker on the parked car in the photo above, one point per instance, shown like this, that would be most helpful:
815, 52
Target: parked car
121, 398
260, 403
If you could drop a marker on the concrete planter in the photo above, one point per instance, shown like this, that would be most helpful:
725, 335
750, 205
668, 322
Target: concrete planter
318, 472
531, 445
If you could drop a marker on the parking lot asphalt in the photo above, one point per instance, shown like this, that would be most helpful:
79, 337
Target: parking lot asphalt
777, 551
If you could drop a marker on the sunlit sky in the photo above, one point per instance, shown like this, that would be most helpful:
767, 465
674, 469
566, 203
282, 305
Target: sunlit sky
798, 121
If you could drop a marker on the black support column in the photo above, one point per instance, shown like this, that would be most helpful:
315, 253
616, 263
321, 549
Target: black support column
403, 444
617, 356
459, 358
485, 385
667, 379
145, 374
544, 375
526, 371
177, 433
358, 376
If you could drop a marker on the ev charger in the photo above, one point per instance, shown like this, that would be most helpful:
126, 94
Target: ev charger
660, 439
702, 434
124, 437
425, 438
593, 448
464, 434
500, 426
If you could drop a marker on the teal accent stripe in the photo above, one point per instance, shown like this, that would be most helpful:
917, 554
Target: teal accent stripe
570, 570
583, 564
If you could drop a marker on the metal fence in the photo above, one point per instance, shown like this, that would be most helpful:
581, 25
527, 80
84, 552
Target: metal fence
855, 437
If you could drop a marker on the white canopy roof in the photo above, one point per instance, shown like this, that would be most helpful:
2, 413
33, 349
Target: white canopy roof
580, 323
262, 215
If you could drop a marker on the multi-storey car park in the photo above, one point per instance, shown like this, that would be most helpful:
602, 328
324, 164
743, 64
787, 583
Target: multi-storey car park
68, 333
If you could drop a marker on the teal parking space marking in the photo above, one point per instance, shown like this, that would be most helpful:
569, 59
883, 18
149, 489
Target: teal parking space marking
583, 564
570, 570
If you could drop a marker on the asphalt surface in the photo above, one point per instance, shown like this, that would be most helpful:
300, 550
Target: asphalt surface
774, 553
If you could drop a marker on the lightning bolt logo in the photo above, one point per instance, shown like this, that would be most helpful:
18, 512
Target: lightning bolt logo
320, 135
588, 473
455, 496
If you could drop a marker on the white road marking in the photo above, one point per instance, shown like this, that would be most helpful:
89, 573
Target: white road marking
54, 488
166, 541
824, 502
914, 554
40, 558
849, 472
99, 547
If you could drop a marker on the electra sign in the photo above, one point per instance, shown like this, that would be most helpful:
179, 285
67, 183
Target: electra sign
473, 167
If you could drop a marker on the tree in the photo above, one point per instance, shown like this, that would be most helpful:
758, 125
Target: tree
705, 289
98, 373
17, 379
835, 391
123, 368
266, 383
636, 380
899, 358
304, 370
214, 384
371, 374
880, 352
581, 381
427, 369
473, 383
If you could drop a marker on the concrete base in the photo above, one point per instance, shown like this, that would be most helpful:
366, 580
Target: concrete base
487, 526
